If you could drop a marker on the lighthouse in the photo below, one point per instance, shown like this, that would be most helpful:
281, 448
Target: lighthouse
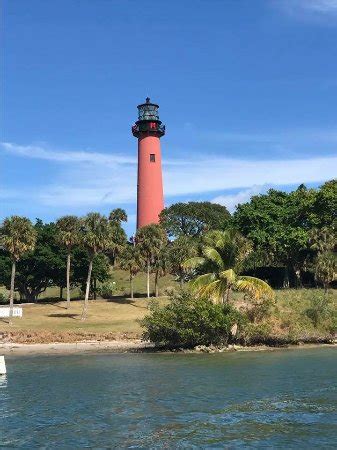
150, 198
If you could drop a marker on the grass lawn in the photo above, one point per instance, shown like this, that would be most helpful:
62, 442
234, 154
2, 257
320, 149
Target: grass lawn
51, 321
118, 315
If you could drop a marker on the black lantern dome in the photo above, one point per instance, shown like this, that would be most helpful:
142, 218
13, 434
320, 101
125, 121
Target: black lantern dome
148, 122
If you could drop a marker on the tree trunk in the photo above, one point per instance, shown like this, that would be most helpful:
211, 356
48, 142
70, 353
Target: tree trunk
286, 278
156, 290
86, 298
95, 288
61, 293
68, 281
326, 286
228, 291
298, 277
148, 278
11, 293
131, 285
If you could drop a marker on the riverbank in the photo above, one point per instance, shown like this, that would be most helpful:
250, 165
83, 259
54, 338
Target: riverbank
113, 325
136, 346
116, 346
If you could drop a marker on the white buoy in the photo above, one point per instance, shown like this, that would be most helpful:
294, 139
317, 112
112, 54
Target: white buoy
3, 370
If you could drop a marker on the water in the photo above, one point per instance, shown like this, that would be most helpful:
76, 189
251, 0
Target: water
281, 399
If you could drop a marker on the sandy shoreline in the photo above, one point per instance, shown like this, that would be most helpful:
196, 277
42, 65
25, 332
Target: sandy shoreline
117, 346
124, 346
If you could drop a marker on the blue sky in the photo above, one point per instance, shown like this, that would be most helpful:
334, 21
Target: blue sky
247, 90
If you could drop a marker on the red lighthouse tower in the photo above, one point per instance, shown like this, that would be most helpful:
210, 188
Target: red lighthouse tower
149, 129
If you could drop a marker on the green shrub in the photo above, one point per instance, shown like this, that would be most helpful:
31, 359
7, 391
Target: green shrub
320, 309
188, 321
107, 290
3, 299
261, 310
256, 333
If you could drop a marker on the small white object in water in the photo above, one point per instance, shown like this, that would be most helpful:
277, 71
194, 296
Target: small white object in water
2, 365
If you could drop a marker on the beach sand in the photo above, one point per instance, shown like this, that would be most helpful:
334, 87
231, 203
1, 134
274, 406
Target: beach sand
74, 347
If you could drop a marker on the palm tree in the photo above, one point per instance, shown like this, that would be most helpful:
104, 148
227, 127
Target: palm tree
17, 236
150, 239
118, 237
161, 265
224, 253
326, 269
118, 216
130, 260
323, 239
68, 235
95, 237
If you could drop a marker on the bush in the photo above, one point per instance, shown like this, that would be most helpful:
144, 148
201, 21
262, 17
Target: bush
107, 290
188, 321
3, 299
320, 309
256, 333
260, 310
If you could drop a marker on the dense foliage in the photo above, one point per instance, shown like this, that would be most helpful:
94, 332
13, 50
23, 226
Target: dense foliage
188, 321
284, 239
45, 266
280, 224
193, 218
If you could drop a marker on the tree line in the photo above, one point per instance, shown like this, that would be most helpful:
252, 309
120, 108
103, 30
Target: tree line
284, 239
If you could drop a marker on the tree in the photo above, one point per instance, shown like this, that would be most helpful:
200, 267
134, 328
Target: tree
161, 265
278, 224
179, 251
326, 268
100, 269
194, 218
323, 239
95, 238
118, 216
17, 236
46, 265
130, 260
326, 204
150, 240
68, 235
118, 237
324, 242
223, 253
38, 269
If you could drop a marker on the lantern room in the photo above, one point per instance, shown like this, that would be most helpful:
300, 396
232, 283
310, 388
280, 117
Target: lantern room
148, 122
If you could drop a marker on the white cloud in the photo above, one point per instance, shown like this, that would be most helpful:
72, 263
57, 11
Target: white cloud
36, 152
232, 200
299, 8
99, 179
322, 6
206, 175
287, 137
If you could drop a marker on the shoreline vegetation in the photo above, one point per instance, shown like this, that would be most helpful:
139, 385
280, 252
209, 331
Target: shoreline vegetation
201, 278
139, 346
113, 325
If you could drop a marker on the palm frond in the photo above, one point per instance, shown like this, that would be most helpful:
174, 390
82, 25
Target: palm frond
211, 290
193, 263
202, 281
254, 286
228, 275
213, 255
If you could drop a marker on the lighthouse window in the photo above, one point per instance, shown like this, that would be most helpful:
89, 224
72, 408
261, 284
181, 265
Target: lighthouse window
152, 157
